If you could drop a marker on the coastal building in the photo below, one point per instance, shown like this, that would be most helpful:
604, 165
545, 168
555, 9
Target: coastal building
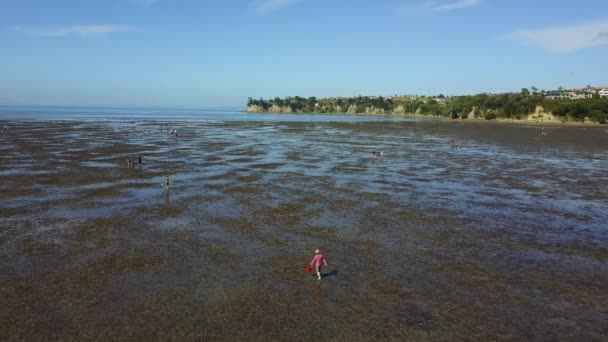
557, 95
575, 94
582, 94
603, 92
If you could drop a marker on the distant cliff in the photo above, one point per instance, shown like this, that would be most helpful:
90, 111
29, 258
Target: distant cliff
508, 106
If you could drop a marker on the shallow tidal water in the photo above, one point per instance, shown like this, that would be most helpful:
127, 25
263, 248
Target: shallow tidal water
503, 236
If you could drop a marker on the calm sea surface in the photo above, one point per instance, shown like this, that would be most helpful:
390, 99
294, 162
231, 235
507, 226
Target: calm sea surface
210, 114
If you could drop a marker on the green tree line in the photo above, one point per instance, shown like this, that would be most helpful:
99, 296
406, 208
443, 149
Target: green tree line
499, 106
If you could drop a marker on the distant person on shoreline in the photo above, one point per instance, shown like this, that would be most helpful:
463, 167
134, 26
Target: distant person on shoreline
381, 152
165, 183
139, 159
318, 261
373, 156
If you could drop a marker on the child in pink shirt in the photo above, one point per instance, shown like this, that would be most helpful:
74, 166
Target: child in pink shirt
318, 260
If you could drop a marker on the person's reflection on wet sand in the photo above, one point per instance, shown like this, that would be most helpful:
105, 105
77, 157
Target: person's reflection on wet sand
317, 291
167, 197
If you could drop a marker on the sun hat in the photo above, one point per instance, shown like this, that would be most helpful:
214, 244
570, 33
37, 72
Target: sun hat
317, 251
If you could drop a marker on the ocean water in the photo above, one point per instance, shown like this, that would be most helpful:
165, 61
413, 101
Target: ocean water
208, 114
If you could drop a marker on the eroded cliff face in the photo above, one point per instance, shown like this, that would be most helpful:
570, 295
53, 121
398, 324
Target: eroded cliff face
374, 111
273, 109
278, 109
352, 109
539, 114
254, 109
399, 110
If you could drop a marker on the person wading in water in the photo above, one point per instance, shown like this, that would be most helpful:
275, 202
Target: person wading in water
166, 182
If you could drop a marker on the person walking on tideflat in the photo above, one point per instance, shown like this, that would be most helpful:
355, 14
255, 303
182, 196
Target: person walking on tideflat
318, 261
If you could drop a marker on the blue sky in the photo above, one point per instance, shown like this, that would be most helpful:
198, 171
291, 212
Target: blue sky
188, 53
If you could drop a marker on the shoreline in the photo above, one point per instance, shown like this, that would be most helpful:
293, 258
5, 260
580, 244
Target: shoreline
446, 119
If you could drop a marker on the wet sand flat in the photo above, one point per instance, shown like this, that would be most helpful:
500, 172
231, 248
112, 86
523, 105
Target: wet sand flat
502, 236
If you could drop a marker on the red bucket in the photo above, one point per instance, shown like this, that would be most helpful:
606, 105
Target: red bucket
308, 268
